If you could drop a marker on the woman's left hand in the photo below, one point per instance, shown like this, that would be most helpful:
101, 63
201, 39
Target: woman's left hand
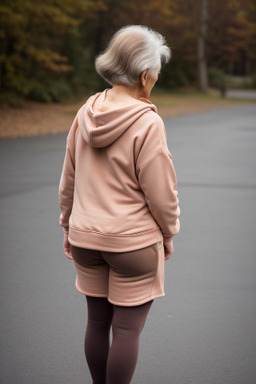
66, 246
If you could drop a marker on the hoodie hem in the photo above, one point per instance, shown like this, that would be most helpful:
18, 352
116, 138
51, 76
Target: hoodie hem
112, 243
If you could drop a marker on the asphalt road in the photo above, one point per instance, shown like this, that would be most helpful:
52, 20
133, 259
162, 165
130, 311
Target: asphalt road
249, 94
203, 331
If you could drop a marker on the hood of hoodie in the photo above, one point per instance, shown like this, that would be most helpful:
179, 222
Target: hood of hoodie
101, 129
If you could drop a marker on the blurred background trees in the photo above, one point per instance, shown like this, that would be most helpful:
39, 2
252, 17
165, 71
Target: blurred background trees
47, 49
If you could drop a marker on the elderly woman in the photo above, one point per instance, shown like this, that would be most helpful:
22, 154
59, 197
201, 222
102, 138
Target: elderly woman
119, 205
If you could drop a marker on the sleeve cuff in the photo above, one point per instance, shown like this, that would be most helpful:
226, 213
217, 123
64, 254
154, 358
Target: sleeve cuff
65, 230
167, 241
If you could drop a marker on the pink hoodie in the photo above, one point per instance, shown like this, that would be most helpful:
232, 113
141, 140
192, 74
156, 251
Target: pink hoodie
118, 185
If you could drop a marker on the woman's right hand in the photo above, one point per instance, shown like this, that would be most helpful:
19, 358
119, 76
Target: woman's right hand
168, 250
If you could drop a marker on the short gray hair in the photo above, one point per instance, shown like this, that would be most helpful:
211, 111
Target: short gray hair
131, 50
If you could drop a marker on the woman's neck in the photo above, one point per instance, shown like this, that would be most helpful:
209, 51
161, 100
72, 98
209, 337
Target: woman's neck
121, 91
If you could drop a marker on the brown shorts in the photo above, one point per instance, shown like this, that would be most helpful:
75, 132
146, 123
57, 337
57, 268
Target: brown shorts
126, 279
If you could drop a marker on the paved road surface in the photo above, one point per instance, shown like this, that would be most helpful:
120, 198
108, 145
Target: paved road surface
249, 94
203, 331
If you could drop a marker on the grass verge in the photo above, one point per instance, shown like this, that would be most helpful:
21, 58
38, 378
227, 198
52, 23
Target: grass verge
34, 118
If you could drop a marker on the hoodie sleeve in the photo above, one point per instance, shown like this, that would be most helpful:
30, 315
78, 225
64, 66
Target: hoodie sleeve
66, 186
157, 179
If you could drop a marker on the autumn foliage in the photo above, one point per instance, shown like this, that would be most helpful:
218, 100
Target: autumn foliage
47, 48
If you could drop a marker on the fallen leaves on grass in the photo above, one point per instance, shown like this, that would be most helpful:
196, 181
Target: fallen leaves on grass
34, 118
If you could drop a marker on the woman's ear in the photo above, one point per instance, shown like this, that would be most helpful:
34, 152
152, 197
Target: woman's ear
144, 77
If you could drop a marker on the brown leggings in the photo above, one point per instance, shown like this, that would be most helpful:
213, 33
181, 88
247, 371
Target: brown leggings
113, 364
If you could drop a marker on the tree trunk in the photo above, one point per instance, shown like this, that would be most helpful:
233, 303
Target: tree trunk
201, 48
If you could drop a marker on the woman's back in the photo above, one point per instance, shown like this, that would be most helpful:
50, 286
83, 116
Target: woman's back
117, 158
